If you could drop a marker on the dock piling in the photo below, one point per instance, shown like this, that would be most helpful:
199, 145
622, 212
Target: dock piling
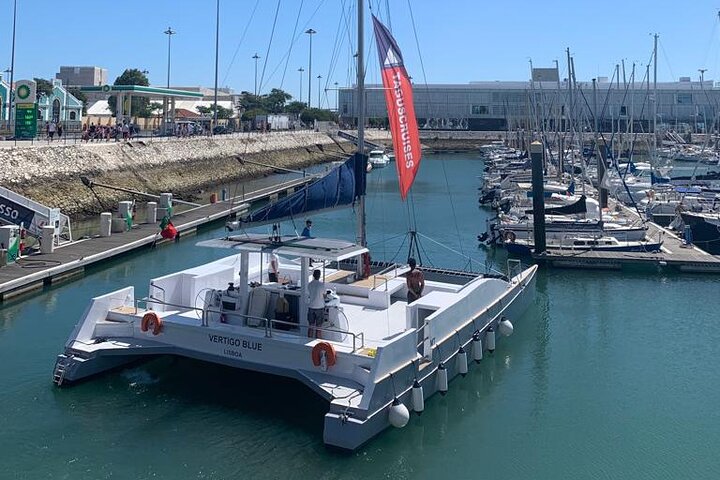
47, 240
105, 224
151, 212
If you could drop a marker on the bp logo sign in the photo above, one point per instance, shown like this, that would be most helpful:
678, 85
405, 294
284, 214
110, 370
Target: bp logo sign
25, 91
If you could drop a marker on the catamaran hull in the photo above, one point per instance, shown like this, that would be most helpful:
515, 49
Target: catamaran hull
346, 427
349, 432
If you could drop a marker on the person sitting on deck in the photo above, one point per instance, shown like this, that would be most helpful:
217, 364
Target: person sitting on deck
306, 231
316, 307
415, 281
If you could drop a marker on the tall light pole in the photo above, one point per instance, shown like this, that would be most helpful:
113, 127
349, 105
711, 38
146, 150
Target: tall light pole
256, 57
319, 96
310, 32
12, 73
702, 88
301, 70
169, 32
217, 51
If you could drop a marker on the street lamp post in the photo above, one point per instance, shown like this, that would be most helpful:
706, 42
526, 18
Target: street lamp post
256, 57
310, 32
11, 97
301, 70
166, 101
319, 96
169, 32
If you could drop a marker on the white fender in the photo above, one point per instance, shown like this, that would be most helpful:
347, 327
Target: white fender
490, 339
477, 348
505, 327
418, 397
398, 414
442, 376
462, 362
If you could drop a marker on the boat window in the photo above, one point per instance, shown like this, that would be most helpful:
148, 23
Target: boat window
578, 242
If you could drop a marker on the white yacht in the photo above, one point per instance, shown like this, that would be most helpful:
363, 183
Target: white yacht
378, 159
375, 357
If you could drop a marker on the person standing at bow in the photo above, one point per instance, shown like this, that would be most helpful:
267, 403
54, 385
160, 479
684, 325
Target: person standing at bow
415, 281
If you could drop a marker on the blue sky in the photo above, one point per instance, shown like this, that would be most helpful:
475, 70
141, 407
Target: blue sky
460, 40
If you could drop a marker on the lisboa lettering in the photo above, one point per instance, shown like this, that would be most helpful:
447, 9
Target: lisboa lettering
401, 114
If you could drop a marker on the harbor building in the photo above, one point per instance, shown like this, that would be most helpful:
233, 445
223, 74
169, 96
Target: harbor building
684, 106
61, 106
84, 76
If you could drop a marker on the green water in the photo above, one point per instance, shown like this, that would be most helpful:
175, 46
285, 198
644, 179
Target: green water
609, 375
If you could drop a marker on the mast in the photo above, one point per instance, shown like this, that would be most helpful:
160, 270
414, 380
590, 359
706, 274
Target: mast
361, 233
655, 98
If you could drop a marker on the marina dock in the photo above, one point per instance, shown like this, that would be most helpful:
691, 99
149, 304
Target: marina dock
32, 273
674, 255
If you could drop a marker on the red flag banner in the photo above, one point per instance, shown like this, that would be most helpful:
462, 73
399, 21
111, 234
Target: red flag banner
401, 110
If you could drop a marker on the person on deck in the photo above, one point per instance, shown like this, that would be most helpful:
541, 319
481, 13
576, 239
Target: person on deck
415, 282
274, 268
306, 231
316, 307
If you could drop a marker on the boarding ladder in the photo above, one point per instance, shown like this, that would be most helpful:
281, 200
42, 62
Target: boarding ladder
59, 371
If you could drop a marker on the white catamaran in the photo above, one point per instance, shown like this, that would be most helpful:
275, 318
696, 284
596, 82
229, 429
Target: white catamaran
374, 358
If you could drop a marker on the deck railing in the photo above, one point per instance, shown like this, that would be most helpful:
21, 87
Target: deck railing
358, 339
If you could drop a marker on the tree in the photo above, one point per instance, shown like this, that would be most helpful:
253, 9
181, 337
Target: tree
210, 111
322, 115
295, 107
274, 102
44, 87
140, 105
75, 92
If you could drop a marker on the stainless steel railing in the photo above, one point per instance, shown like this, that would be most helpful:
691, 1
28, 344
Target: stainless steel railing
358, 339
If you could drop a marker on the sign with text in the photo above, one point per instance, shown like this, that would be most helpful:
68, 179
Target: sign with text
25, 121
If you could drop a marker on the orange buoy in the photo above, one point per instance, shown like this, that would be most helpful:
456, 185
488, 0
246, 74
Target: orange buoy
329, 353
151, 321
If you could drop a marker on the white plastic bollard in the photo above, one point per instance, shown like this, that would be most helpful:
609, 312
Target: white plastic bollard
105, 224
124, 208
165, 200
47, 241
151, 212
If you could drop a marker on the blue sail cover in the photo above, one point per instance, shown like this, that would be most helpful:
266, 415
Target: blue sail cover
339, 188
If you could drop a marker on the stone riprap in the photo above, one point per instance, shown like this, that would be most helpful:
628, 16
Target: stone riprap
50, 174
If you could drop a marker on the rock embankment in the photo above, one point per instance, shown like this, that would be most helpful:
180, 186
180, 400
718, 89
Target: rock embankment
51, 174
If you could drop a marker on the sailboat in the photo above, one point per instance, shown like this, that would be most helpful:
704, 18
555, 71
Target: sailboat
375, 357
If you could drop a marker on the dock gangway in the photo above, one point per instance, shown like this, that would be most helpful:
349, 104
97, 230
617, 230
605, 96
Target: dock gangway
16, 209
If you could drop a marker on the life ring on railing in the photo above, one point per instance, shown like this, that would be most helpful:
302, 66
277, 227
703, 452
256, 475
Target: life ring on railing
151, 321
317, 355
509, 236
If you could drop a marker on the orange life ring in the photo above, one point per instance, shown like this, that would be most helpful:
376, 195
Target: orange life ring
151, 320
330, 355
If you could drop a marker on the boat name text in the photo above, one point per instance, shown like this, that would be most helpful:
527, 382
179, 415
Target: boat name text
236, 342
